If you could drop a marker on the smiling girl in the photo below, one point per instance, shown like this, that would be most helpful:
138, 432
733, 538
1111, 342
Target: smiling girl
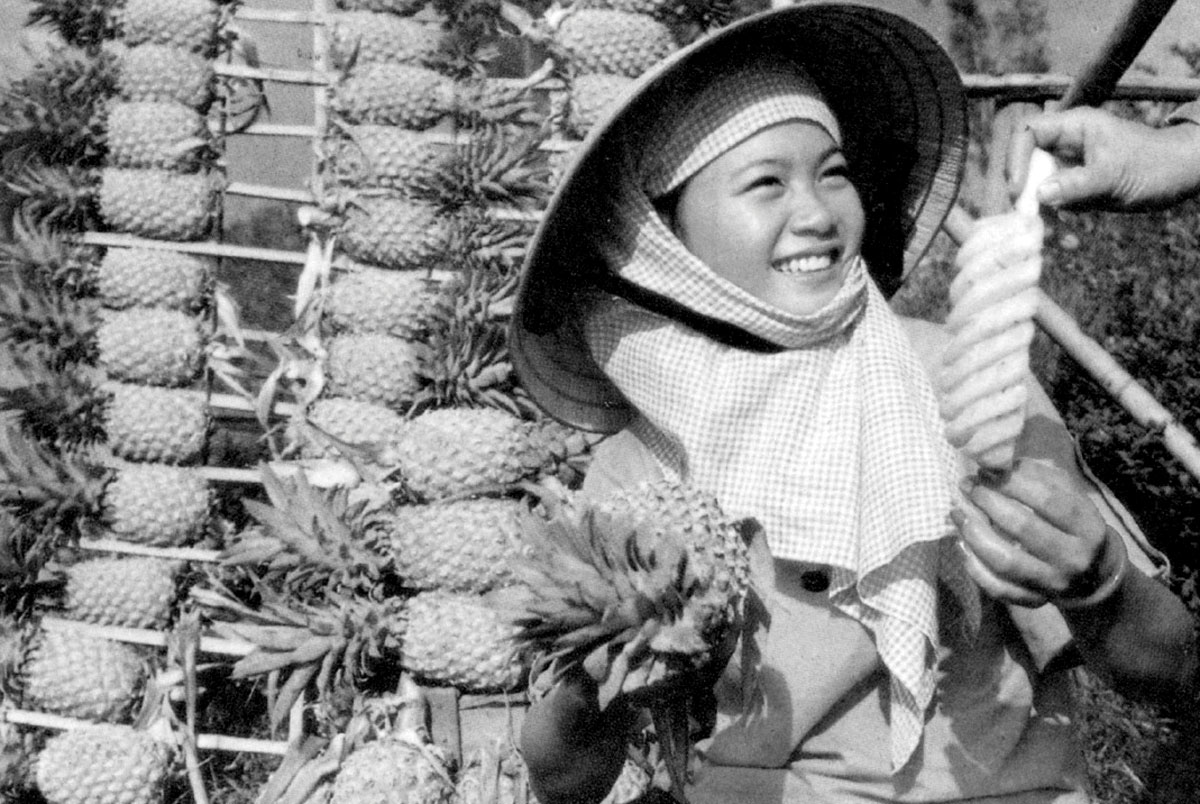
708, 285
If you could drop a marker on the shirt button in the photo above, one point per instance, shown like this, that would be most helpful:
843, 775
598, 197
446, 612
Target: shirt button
814, 580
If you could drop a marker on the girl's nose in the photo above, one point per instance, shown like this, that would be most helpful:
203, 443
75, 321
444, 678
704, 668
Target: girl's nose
810, 214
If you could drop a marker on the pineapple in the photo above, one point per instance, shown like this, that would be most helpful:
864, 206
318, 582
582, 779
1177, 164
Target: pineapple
592, 96
393, 157
394, 232
459, 640
151, 346
84, 677
647, 591
156, 504
373, 368
362, 424
129, 591
395, 94
371, 300
159, 204
597, 40
154, 134
144, 277
152, 72
144, 503
103, 764
396, 763
461, 546
149, 424
658, 567
186, 24
451, 451
367, 37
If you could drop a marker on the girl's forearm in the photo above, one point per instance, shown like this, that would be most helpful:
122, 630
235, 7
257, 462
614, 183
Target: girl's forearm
573, 750
1141, 638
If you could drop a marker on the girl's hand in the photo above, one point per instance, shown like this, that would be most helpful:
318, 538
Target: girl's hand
1036, 537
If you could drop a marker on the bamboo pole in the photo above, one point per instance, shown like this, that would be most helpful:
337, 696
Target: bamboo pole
196, 247
278, 75
231, 402
166, 553
217, 646
204, 742
269, 192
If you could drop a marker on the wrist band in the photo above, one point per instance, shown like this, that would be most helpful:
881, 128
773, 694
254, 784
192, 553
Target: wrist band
1108, 586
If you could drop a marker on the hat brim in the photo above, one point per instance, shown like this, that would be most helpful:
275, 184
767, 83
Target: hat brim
902, 111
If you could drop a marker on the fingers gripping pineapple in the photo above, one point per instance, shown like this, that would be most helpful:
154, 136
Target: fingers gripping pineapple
647, 592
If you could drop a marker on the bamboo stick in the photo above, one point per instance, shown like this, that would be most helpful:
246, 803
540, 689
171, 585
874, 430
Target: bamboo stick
301, 131
196, 247
168, 553
1102, 367
267, 191
231, 402
278, 75
145, 636
204, 742
280, 15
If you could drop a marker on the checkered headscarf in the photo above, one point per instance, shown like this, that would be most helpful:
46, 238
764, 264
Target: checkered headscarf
834, 442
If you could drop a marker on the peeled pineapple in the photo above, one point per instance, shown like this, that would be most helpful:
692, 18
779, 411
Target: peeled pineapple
163, 425
151, 346
186, 24
394, 232
156, 504
158, 204
368, 37
143, 277
153, 72
129, 592
103, 764
459, 640
601, 40
79, 676
394, 157
154, 134
461, 546
373, 368
450, 451
373, 300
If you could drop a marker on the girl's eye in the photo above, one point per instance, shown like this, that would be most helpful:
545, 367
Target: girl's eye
764, 181
836, 172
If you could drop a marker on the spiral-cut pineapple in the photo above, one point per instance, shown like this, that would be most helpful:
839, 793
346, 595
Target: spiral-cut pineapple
985, 367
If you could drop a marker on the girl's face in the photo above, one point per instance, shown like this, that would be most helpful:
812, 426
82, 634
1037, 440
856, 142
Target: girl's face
777, 216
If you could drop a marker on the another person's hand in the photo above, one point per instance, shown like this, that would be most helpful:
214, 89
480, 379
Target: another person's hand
1040, 538
1108, 162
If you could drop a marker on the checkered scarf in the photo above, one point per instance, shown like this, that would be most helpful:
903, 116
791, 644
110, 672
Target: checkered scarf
833, 442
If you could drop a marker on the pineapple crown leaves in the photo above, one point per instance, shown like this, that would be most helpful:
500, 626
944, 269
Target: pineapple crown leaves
604, 591
51, 326
59, 196
320, 528
49, 490
468, 362
39, 255
501, 164
64, 408
85, 25
55, 112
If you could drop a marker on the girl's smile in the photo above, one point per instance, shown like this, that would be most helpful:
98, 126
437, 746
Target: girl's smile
776, 215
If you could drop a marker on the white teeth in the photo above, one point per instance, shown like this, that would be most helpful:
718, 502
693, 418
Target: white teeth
803, 265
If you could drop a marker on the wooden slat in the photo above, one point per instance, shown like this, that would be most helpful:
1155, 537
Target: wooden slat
145, 636
169, 553
197, 247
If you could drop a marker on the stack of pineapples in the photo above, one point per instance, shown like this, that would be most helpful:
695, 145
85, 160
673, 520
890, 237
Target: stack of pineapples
103, 350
